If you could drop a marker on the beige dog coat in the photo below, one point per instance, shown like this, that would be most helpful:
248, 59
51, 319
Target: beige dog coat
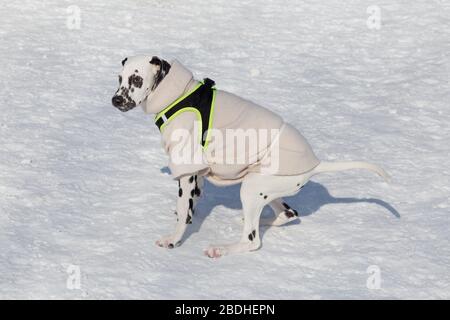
243, 137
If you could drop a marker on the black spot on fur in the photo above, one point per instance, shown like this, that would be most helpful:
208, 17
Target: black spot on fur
252, 235
180, 192
188, 219
191, 206
265, 197
136, 71
170, 246
191, 179
137, 81
285, 205
291, 213
196, 191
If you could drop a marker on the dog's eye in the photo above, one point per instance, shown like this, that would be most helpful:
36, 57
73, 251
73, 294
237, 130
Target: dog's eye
137, 81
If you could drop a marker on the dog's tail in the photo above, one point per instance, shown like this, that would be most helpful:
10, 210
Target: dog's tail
347, 165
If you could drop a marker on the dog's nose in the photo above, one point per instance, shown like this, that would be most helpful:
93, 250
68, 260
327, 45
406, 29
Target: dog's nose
117, 101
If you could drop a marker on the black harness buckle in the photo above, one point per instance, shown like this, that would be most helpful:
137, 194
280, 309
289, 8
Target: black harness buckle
208, 82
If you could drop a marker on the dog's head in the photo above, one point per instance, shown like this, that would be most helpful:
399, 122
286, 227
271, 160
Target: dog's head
140, 75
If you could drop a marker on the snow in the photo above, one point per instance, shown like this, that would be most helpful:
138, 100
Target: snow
84, 185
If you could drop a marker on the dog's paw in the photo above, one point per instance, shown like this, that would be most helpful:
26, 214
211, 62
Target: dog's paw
215, 252
168, 242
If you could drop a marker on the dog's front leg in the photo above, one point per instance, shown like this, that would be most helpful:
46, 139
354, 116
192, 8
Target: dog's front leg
189, 190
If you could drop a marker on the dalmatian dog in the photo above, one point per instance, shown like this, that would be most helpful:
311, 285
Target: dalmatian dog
154, 83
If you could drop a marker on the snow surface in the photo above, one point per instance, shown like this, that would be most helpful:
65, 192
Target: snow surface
83, 184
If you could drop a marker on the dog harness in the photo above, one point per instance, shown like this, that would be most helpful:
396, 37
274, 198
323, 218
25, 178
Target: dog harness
199, 100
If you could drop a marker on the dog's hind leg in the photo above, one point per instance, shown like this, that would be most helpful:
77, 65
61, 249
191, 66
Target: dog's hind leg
283, 214
252, 205
257, 190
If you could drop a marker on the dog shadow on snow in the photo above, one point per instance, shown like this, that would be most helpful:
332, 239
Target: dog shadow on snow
307, 202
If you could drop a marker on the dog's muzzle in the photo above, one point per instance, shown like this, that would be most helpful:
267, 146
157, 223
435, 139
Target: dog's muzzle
120, 103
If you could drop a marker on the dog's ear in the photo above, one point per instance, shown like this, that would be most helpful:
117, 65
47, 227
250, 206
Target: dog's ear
123, 61
156, 61
160, 68
165, 66
156, 64
160, 65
